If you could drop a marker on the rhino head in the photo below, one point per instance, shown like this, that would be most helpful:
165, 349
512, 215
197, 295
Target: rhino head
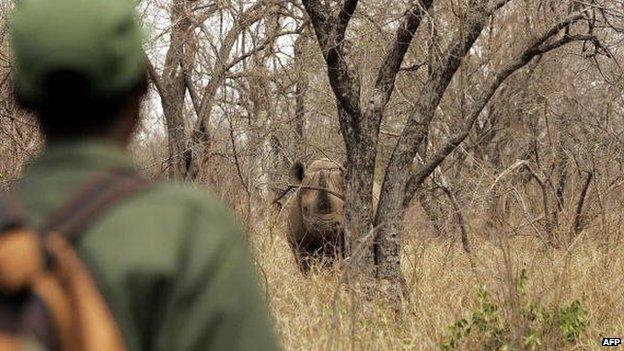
320, 199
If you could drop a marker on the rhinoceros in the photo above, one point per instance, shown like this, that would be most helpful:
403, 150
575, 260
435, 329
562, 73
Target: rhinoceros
316, 213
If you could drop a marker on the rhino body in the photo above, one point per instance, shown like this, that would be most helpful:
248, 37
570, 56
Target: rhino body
316, 217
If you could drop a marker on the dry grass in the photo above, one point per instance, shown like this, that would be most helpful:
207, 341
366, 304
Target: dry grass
317, 313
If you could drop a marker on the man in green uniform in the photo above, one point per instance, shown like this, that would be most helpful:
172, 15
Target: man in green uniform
171, 263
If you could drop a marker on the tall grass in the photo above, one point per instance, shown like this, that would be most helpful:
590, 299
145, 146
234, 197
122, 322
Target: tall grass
317, 312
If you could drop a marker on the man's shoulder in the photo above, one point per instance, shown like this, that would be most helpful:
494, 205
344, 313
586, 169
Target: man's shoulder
162, 219
179, 197
187, 193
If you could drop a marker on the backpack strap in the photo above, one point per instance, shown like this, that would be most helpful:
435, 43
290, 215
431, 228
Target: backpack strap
88, 203
92, 201
98, 329
62, 286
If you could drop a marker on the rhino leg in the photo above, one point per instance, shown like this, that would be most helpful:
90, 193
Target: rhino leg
311, 250
303, 250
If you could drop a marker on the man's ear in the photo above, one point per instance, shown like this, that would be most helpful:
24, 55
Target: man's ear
297, 172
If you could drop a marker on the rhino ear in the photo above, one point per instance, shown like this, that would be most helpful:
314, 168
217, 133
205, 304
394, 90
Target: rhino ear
297, 172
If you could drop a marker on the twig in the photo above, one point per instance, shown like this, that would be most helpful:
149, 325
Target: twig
309, 187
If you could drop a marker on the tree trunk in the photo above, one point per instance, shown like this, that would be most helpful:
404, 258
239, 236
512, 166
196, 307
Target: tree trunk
394, 200
360, 169
174, 91
176, 135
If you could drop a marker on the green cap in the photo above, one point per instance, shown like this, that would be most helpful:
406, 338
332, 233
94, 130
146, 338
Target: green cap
100, 39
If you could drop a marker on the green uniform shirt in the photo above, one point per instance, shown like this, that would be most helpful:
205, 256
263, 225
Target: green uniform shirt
170, 261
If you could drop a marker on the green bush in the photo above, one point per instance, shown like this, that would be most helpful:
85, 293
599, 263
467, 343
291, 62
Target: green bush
488, 328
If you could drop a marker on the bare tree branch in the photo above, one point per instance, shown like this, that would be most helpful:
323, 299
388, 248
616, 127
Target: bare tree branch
536, 48
391, 64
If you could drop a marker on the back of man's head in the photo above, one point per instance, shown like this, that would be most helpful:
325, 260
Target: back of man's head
77, 62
